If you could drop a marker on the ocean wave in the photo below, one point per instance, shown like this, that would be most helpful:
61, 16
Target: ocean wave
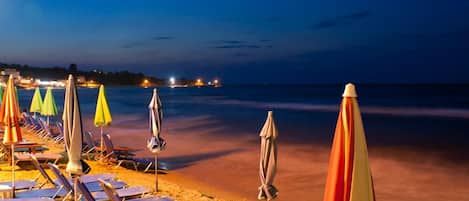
377, 110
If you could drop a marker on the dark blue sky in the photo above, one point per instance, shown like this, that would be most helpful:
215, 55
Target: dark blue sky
245, 41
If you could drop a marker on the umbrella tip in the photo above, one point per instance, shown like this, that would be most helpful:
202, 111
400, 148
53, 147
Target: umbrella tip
350, 91
70, 76
154, 90
270, 113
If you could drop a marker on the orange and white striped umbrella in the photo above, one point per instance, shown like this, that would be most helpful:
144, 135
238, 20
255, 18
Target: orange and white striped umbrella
349, 175
9, 114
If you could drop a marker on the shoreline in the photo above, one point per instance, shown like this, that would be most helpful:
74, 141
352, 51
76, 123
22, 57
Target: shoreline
204, 150
207, 162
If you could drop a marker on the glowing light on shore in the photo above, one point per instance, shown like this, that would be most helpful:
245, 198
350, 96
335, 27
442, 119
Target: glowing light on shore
172, 80
199, 82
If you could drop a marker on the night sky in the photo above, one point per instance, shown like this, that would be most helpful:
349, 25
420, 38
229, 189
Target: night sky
245, 41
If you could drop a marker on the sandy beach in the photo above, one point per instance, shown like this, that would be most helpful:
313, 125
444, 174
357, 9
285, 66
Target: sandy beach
225, 165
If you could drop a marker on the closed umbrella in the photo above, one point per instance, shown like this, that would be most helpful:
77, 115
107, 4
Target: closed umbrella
9, 116
349, 176
72, 126
49, 108
102, 115
268, 159
156, 144
1, 95
36, 102
72, 129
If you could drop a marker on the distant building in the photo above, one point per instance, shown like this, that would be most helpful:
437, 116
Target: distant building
10, 71
81, 79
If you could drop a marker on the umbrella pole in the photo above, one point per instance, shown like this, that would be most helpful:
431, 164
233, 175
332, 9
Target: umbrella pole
75, 194
156, 172
102, 143
12, 170
47, 120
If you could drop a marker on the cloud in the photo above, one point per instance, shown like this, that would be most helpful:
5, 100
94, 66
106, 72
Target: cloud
237, 46
358, 15
265, 40
341, 20
145, 42
240, 54
229, 42
163, 38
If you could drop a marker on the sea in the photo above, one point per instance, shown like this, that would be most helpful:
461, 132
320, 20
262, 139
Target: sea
426, 117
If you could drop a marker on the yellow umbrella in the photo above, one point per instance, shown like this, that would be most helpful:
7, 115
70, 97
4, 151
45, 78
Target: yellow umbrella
102, 115
9, 116
349, 175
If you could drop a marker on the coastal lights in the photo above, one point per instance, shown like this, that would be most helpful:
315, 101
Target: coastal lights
146, 83
172, 80
199, 83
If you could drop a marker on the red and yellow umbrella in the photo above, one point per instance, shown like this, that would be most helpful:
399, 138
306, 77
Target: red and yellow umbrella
9, 115
349, 176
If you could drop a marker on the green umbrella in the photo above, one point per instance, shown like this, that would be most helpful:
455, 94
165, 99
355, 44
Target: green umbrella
1, 95
48, 106
36, 102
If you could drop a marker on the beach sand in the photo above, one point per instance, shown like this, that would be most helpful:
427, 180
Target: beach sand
169, 184
203, 150
207, 161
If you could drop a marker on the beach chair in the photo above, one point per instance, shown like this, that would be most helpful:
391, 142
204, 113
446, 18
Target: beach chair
45, 157
120, 193
67, 183
89, 149
59, 138
34, 126
21, 184
114, 195
28, 199
118, 156
87, 178
47, 132
29, 184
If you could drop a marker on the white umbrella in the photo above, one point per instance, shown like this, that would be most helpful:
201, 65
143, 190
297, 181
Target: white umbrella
156, 144
72, 129
268, 159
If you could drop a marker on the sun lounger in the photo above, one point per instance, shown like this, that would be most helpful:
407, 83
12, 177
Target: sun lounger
57, 191
114, 195
28, 199
45, 157
67, 183
89, 149
60, 137
127, 192
41, 193
119, 156
48, 132
117, 194
21, 184
87, 178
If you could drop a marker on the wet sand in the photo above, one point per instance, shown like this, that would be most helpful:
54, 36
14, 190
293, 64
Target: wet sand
224, 163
